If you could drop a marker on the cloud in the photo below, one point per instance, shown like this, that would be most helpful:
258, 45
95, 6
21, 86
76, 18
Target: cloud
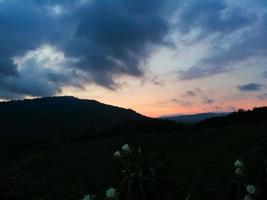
106, 38
207, 100
262, 96
190, 93
265, 74
202, 97
102, 40
250, 87
42, 72
192, 97
200, 70
234, 33
120, 36
152, 79
183, 103
211, 16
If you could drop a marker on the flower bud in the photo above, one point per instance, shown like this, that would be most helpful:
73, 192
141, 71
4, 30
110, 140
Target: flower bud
117, 154
126, 148
110, 193
238, 164
238, 171
88, 197
251, 189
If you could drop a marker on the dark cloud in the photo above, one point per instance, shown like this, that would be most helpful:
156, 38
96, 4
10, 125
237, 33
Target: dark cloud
237, 35
190, 93
265, 74
192, 97
250, 87
198, 93
207, 100
107, 38
211, 16
119, 37
7, 67
201, 70
25, 26
154, 79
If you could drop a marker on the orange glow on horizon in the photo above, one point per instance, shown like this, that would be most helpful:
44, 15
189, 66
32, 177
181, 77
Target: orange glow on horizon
245, 104
157, 101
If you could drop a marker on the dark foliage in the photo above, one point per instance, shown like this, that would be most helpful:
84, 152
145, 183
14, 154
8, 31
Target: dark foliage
254, 116
28, 126
49, 134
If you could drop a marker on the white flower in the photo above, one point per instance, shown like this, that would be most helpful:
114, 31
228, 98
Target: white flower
247, 197
110, 193
238, 171
126, 148
86, 197
117, 154
238, 164
251, 189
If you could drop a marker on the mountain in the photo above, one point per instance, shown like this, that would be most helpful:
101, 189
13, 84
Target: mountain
28, 126
240, 117
200, 155
194, 118
61, 114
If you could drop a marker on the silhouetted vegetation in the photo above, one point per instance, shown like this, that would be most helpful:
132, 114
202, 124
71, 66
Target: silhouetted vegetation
60, 115
254, 116
61, 147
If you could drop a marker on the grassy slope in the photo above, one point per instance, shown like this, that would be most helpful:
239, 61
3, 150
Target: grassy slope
207, 153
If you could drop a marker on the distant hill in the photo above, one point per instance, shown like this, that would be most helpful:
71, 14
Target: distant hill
194, 118
240, 117
61, 114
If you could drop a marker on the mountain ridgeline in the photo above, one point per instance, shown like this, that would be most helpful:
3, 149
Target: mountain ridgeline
61, 114
70, 115
28, 126
61, 145
195, 118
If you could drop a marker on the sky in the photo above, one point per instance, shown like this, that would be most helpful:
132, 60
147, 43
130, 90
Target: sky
158, 57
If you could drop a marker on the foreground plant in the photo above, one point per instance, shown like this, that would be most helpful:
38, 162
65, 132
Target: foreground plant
142, 177
8, 188
111, 193
89, 197
246, 185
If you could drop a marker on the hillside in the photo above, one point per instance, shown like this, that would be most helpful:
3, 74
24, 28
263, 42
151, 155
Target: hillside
195, 118
61, 114
27, 126
254, 116
201, 156
199, 159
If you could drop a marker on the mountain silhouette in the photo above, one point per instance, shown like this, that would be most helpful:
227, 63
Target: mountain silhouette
61, 114
195, 117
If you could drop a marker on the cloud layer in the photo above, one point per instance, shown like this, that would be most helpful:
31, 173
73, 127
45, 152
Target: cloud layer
250, 87
106, 38
234, 33
97, 41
